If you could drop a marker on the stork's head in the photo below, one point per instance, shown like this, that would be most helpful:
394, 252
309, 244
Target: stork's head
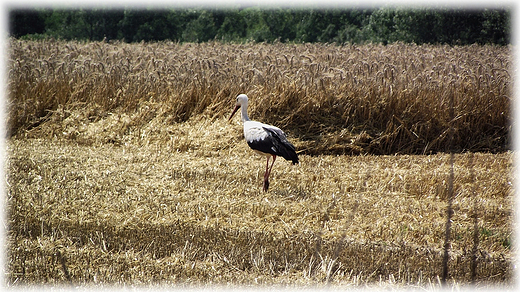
241, 102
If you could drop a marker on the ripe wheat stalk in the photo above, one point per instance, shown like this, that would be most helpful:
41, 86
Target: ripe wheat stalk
334, 99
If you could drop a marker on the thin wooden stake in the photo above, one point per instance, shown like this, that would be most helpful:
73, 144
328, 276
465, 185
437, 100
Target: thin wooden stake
449, 211
475, 224
63, 263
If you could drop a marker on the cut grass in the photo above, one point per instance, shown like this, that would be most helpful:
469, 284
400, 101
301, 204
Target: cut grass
156, 215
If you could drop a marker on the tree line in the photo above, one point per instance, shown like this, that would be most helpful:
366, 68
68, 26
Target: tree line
356, 26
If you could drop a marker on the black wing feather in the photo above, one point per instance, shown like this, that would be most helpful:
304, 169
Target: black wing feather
280, 145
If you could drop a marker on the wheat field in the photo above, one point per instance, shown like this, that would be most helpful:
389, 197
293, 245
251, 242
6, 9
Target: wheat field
337, 100
123, 170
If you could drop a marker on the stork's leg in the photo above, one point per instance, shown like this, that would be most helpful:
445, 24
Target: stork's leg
268, 172
271, 168
266, 175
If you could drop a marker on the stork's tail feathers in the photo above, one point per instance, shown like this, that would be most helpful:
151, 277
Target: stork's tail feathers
288, 154
293, 157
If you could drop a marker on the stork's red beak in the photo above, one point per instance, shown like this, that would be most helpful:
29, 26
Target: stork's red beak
234, 111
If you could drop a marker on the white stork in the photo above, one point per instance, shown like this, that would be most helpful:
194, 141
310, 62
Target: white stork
264, 139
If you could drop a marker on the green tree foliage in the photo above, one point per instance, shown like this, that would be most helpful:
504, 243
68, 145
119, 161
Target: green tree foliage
23, 22
233, 28
382, 25
201, 28
91, 24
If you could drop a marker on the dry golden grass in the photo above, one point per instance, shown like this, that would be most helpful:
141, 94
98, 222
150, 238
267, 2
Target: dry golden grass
335, 99
123, 170
192, 212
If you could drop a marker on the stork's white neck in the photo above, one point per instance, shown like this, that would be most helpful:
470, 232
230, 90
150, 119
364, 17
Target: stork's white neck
243, 111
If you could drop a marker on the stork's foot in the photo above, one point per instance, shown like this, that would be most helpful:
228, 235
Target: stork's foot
266, 185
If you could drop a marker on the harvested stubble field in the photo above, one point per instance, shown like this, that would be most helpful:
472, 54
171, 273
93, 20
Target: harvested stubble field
122, 168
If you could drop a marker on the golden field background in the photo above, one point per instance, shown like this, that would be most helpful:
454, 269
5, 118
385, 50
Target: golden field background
122, 168
336, 99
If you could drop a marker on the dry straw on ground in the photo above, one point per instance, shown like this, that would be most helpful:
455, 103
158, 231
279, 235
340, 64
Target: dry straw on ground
122, 169
149, 215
